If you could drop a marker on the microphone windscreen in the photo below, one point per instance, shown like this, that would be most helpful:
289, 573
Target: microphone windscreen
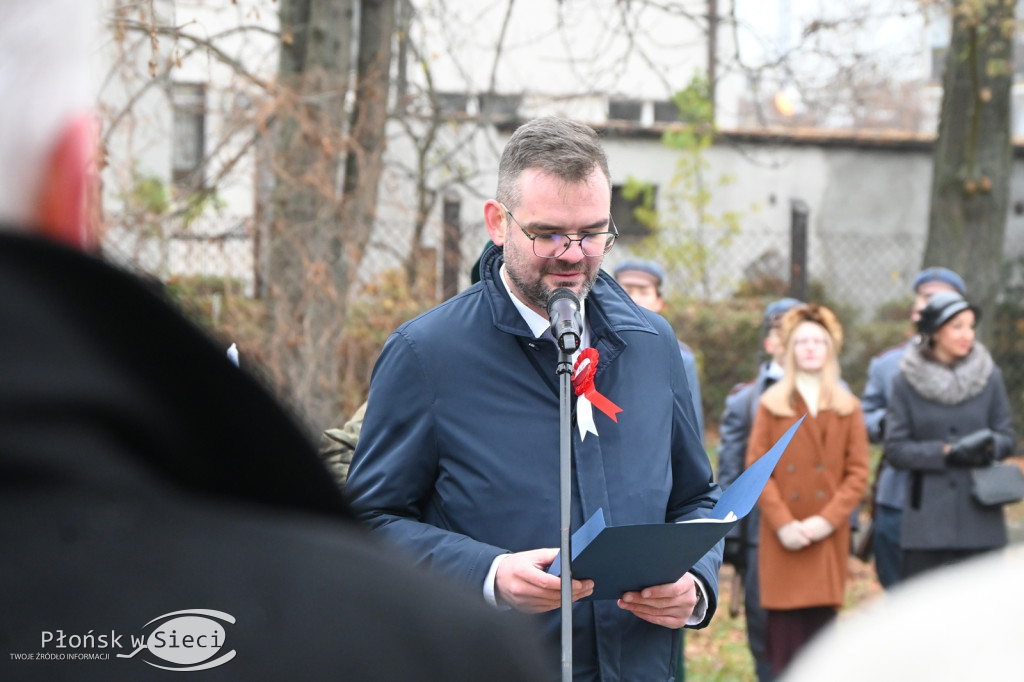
563, 294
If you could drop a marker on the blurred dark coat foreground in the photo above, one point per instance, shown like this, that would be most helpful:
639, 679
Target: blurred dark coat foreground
141, 474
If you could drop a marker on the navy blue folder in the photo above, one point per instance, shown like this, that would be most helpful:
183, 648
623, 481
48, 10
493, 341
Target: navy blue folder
629, 558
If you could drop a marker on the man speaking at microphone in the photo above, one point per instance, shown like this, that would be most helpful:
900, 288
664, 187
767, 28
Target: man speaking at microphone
458, 459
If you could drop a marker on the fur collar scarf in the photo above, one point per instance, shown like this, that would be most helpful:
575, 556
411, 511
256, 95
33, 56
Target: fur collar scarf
947, 384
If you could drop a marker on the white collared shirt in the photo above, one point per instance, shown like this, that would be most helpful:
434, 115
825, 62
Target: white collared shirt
541, 325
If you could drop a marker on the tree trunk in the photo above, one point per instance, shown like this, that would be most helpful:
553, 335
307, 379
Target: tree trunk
306, 288
368, 130
972, 157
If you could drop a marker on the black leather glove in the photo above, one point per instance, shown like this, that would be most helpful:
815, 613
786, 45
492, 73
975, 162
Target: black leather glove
976, 449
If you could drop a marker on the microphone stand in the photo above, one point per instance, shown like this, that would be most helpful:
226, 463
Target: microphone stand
564, 371
567, 328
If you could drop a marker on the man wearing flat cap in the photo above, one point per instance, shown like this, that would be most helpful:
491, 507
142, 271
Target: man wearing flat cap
891, 484
642, 280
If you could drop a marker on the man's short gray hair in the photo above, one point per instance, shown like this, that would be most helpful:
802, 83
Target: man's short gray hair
554, 146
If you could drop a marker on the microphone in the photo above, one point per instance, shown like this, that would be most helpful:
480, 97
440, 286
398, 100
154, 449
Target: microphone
564, 313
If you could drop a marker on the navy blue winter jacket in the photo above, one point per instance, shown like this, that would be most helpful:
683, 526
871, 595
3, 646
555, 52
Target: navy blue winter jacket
457, 461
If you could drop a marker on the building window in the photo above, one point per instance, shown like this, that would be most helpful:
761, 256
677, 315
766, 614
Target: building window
188, 134
452, 103
625, 109
493, 104
624, 212
666, 111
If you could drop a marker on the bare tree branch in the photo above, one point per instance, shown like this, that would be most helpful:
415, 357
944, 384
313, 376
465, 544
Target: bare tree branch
499, 45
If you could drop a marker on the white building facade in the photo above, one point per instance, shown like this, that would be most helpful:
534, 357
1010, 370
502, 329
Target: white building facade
184, 110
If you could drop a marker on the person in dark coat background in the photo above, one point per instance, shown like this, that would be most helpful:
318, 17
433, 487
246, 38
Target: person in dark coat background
458, 457
891, 483
949, 413
157, 506
737, 419
642, 280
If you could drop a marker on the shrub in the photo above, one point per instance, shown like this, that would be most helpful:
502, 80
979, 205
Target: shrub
726, 337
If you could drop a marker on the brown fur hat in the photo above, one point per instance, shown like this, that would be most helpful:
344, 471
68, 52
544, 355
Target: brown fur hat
812, 312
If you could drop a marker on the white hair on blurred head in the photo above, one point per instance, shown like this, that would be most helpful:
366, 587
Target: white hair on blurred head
46, 48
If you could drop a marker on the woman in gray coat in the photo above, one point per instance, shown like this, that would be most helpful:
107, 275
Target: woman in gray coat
949, 413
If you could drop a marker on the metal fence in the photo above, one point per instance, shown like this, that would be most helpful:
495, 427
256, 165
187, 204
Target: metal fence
866, 280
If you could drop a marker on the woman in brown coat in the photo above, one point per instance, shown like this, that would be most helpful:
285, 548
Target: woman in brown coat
806, 505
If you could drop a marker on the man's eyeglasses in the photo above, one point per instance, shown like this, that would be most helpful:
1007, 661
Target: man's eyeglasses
554, 245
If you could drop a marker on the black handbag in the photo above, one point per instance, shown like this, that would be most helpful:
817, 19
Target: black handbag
999, 483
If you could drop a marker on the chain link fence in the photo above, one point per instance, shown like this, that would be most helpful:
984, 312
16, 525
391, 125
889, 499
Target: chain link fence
867, 281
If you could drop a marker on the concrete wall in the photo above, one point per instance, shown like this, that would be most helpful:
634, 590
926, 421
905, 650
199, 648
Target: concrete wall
868, 209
